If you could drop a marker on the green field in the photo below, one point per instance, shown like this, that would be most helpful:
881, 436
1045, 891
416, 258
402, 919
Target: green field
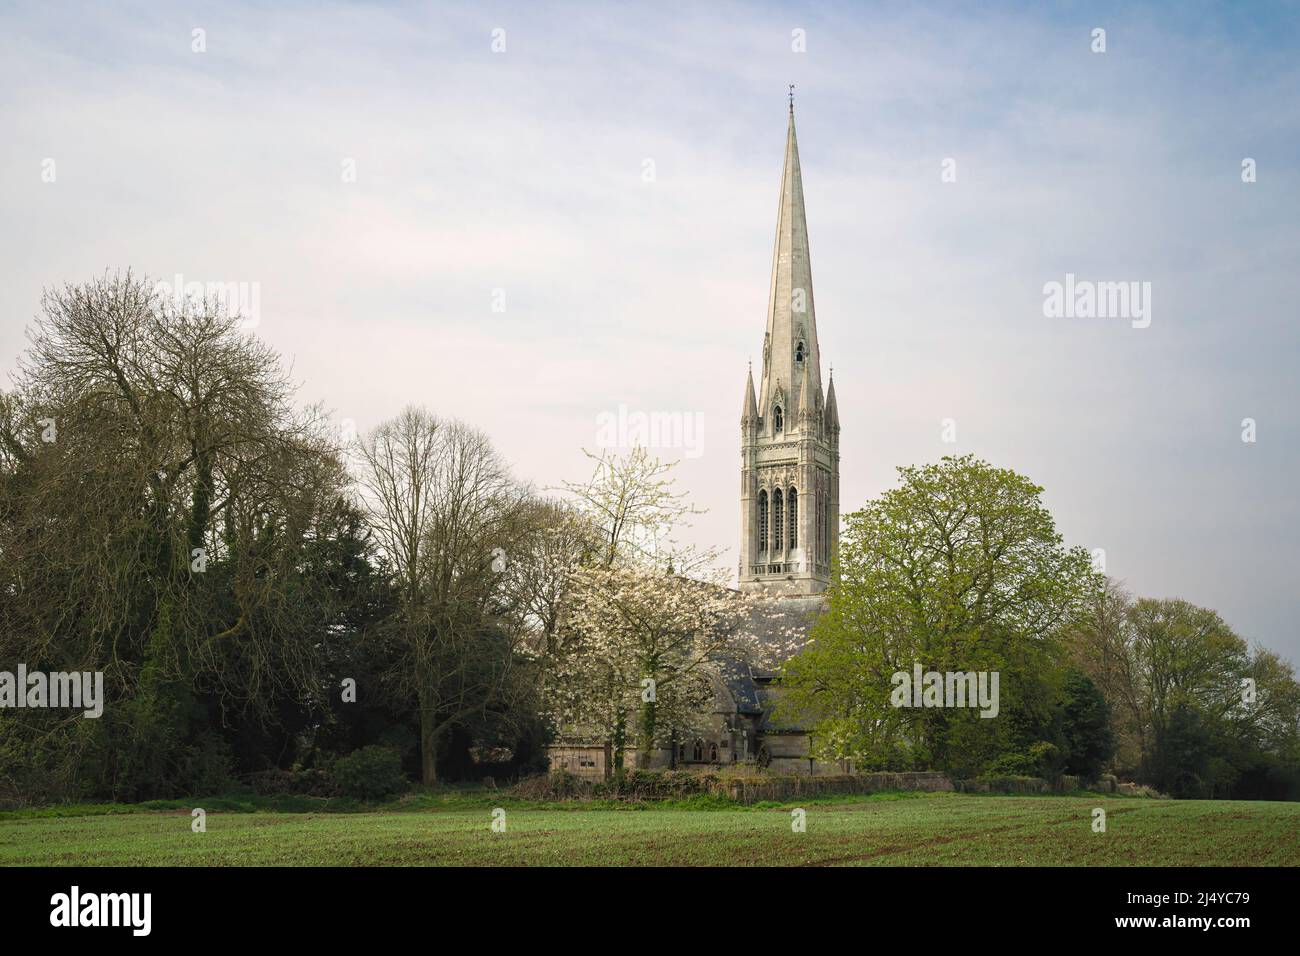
885, 829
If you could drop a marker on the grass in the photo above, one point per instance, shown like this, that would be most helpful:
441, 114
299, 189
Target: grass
454, 829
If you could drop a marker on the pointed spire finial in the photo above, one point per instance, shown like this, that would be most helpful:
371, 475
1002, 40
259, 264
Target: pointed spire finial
791, 97
749, 412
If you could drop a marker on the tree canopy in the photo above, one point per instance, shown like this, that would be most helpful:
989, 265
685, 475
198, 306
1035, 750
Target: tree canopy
958, 569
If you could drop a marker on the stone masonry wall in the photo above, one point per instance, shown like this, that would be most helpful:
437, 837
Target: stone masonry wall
781, 788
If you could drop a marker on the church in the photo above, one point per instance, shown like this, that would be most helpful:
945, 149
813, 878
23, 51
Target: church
789, 486
789, 512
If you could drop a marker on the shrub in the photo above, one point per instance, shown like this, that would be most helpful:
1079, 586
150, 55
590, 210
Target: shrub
559, 785
1011, 765
371, 773
1003, 783
632, 786
1042, 759
638, 785
208, 765
311, 782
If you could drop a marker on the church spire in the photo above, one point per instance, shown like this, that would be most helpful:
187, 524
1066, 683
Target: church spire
789, 449
791, 339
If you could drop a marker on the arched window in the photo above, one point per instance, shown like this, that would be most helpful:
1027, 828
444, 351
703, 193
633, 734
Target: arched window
697, 752
762, 522
817, 522
713, 753
777, 421
777, 523
792, 505
798, 352
823, 544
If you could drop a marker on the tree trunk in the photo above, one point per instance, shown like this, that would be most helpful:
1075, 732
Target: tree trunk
620, 742
428, 743
645, 745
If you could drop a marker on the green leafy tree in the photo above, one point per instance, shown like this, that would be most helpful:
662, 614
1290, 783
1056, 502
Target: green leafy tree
1153, 659
1089, 742
960, 568
1182, 760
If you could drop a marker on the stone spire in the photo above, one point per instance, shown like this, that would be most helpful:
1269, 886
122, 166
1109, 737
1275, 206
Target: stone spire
749, 410
832, 410
789, 451
791, 339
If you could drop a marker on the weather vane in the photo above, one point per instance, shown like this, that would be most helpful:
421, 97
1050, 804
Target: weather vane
791, 97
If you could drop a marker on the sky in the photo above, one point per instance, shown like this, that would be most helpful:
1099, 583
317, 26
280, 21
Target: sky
530, 216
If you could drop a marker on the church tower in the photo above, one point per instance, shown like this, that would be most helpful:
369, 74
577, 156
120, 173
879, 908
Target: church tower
789, 430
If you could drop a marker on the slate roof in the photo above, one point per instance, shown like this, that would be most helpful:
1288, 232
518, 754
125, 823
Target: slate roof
774, 626
783, 619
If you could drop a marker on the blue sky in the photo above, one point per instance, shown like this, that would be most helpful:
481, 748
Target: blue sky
522, 171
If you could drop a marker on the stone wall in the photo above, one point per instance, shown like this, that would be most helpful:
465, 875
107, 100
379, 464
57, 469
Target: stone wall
585, 762
780, 788
801, 777
1108, 783
1004, 785
791, 754
1063, 784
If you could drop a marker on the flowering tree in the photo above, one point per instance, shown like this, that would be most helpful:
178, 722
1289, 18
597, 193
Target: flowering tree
647, 627
647, 648
632, 503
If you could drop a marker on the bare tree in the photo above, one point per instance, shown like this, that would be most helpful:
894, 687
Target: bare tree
446, 511
172, 444
1102, 644
157, 493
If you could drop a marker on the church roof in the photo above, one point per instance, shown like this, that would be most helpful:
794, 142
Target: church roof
781, 627
743, 687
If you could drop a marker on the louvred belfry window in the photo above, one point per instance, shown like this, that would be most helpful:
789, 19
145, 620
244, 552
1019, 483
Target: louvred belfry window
762, 521
792, 502
776, 520
823, 544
